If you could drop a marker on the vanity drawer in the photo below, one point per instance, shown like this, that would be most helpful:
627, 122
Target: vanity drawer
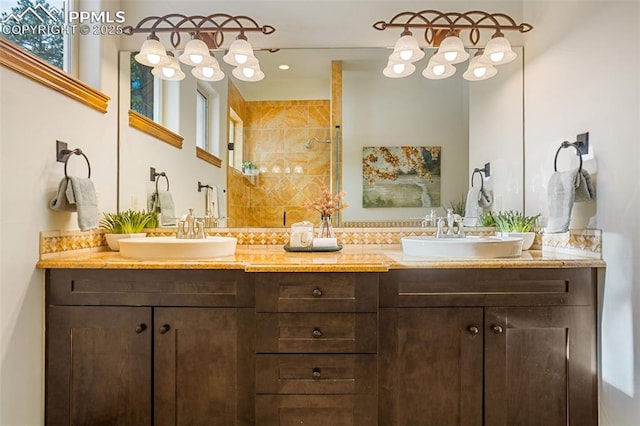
223, 288
487, 287
316, 410
317, 292
316, 374
316, 333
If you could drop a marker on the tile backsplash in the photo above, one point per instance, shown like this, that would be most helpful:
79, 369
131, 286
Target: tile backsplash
581, 242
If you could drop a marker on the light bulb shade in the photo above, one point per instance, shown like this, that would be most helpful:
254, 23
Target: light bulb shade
437, 70
171, 71
211, 72
398, 69
240, 54
451, 50
498, 51
248, 73
196, 53
479, 70
152, 53
406, 50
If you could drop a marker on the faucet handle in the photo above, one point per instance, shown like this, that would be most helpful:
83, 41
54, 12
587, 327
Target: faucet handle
199, 228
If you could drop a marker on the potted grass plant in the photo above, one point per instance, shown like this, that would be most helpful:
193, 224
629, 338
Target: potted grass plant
126, 224
516, 224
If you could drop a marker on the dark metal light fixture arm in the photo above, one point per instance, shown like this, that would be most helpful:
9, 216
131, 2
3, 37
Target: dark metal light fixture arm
433, 20
215, 24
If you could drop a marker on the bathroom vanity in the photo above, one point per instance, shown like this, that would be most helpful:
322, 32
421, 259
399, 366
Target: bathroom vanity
351, 338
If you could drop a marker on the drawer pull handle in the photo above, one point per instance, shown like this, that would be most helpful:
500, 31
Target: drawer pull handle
496, 328
141, 327
473, 329
165, 328
316, 333
316, 292
316, 374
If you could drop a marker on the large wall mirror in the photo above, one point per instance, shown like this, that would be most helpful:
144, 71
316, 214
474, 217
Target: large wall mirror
287, 130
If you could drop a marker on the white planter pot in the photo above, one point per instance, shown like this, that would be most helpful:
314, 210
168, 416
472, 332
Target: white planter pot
112, 239
527, 237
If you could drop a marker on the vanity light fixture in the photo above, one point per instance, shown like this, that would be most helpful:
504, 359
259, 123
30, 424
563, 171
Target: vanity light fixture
438, 69
396, 69
151, 52
442, 31
168, 69
479, 69
406, 49
209, 72
207, 34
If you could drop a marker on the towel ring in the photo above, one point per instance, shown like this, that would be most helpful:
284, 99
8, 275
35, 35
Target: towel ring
158, 175
76, 151
567, 144
201, 185
473, 175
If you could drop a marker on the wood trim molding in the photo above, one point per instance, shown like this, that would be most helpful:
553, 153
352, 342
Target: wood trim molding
26, 63
150, 127
208, 157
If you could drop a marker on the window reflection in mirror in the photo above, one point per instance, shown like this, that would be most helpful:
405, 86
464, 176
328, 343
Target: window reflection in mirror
143, 90
202, 121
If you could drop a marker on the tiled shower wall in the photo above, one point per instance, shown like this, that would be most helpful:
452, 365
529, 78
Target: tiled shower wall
275, 134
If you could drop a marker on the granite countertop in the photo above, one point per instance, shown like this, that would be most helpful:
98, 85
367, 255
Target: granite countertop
373, 258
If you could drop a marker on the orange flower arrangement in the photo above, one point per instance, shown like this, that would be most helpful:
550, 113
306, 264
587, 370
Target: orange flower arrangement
327, 204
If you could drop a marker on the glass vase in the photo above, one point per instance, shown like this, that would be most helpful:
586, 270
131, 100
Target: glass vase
326, 231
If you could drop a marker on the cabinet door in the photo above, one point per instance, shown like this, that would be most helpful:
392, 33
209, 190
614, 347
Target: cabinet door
204, 366
540, 366
98, 366
430, 366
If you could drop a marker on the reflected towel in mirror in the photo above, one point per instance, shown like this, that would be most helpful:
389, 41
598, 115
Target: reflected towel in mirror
162, 202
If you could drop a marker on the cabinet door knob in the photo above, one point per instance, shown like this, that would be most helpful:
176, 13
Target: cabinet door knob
316, 373
473, 329
316, 292
165, 328
141, 327
496, 328
316, 333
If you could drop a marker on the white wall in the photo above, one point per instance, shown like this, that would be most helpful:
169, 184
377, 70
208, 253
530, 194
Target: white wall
31, 119
585, 77
495, 133
410, 111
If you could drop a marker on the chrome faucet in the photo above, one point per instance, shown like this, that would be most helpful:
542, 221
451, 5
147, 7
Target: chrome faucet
451, 221
191, 228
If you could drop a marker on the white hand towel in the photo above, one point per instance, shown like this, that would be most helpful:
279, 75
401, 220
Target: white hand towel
472, 209
167, 208
212, 202
77, 195
564, 189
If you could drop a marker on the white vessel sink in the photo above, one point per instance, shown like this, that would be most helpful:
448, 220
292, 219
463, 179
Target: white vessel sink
462, 248
171, 248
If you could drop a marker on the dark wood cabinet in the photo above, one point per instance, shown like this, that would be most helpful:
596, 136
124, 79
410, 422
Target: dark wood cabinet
316, 348
466, 347
478, 363
540, 366
431, 366
98, 369
137, 365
